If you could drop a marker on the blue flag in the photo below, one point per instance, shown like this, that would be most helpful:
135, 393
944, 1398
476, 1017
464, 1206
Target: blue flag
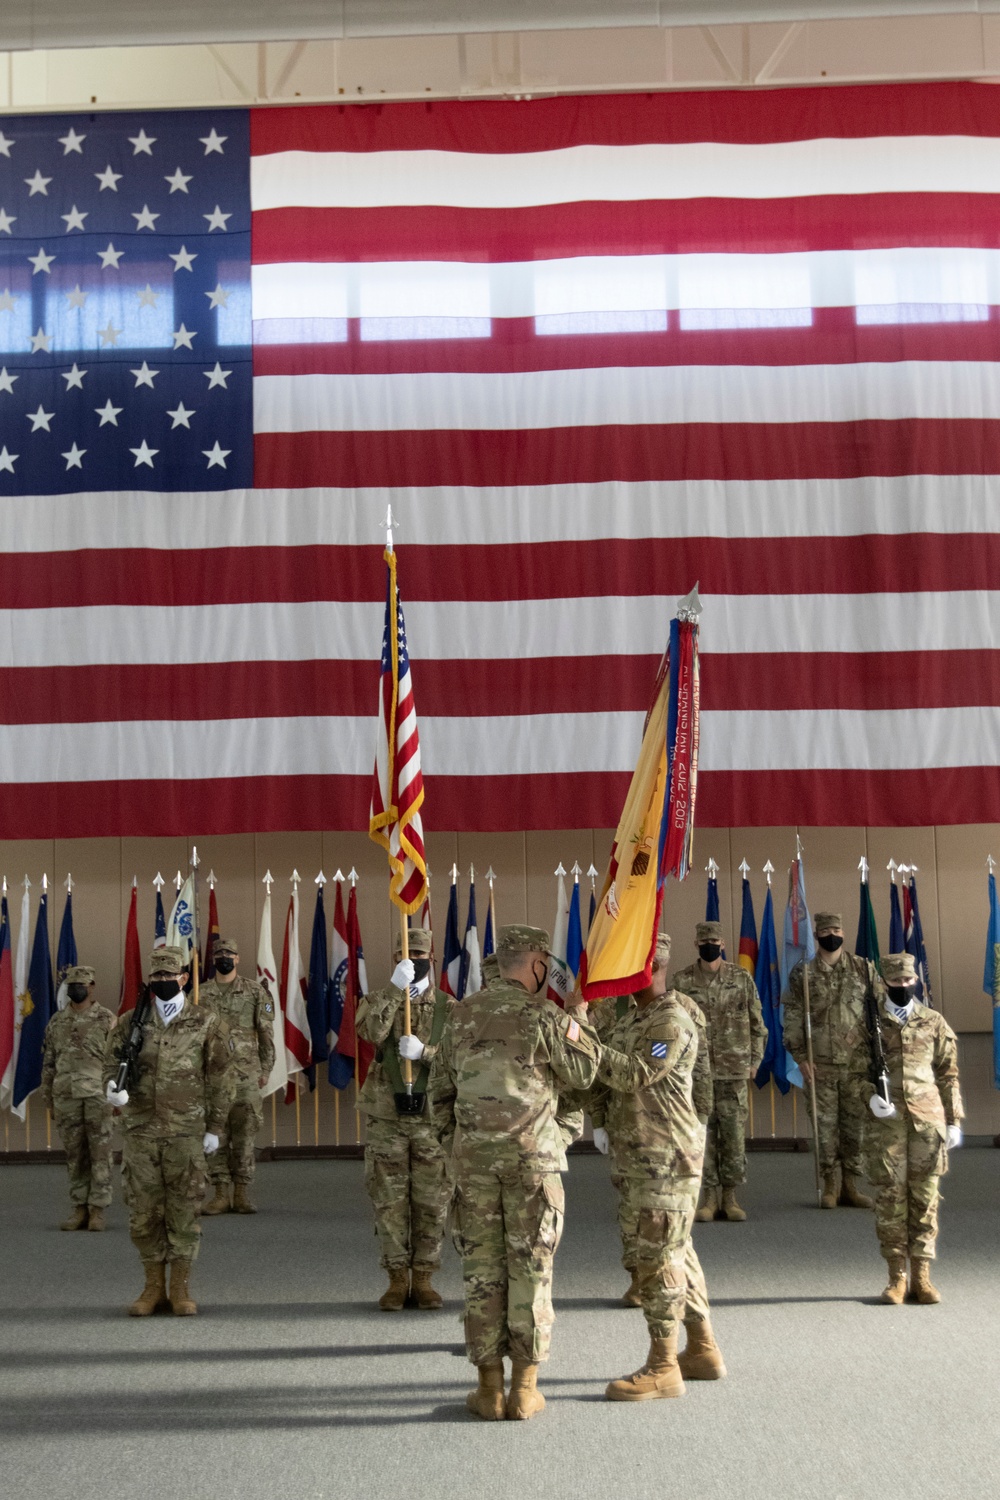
160, 928
768, 981
489, 936
895, 920
37, 1009
593, 911
914, 939
992, 937
470, 975
66, 952
574, 935
317, 991
712, 900
451, 958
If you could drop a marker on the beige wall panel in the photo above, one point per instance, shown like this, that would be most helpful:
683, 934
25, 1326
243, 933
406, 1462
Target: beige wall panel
910, 846
831, 858
757, 846
95, 865
964, 912
505, 852
231, 856
377, 922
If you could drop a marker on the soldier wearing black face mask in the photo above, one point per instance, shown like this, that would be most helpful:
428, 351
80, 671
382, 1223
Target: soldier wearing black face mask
246, 1013
73, 1089
838, 983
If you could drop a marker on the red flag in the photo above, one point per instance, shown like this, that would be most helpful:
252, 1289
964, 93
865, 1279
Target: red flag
349, 1044
208, 967
132, 967
293, 999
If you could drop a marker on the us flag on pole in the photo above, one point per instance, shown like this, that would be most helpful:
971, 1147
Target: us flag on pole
398, 787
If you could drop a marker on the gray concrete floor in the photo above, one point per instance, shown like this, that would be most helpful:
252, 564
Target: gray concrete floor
291, 1383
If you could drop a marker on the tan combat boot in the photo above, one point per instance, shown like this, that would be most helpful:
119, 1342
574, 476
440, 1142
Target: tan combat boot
154, 1294
95, 1222
488, 1400
524, 1399
731, 1208
709, 1206
921, 1287
220, 1203
631, 1297
423, 1294
659, 1379
702, 1359
77, 1219
393, 1299
830, 1190
850, 1197
181, 1300
896, 1289
241, 1203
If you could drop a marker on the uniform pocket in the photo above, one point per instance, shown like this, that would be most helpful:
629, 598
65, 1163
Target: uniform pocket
552, 1203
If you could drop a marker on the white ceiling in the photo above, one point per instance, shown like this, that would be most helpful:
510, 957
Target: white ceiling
101, 23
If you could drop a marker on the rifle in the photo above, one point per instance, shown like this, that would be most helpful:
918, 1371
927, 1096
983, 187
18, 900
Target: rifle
807, 1020
129, 1063
878, 1068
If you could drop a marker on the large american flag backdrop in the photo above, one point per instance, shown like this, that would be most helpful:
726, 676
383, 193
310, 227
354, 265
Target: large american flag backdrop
590, 350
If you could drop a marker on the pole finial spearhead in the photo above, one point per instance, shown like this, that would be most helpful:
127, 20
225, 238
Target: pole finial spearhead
892, 867
390, 525
863, 867
5, 885
27, 883
769, 871
472, 874
159, 882
178, 880
990, 864
689, 608
213, 880
195, 861
490, 876
68, 883
454, 874
353, 877
576, 872
45, 884
296, 879
339, 877
913, 870
559, 870
592, 875
744, 868
712, 868
320, 880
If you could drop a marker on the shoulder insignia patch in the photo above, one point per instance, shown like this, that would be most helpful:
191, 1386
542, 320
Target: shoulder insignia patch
268, 1008
573, 1031
658, 1049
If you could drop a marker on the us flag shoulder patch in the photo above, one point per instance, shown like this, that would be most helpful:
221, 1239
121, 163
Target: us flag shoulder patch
658, 1049
573, 1031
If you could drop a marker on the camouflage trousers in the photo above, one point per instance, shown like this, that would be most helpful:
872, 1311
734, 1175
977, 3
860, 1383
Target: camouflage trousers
236, 1158
664, 1219
406, 1178
840, 1116
905, 1159
84, 1127
696, 1308
163, 1182
725, 1138
506, 1226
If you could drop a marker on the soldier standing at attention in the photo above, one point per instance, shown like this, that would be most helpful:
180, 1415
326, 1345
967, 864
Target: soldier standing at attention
838, 983
908, 1141
246, 1015
173, 1116
649, 1064
737, 1036
405, 1168
73, 1089
505, 1055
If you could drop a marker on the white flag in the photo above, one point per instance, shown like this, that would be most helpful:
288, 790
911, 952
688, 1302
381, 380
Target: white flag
298, 1047
559, 977
182, 930
267, 975
21, 966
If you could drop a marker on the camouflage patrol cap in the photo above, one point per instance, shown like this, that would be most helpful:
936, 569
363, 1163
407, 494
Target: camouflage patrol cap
826, 921
418, 942
491, 969
519, 938
226, 945
898, 967
80, 974
661, 953
167, 961
708, 932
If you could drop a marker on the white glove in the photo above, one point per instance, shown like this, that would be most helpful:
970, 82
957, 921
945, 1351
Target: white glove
880, 1109
402, 975
954, 1136
602, 1140
411, 1047
119, 1100
209, 1143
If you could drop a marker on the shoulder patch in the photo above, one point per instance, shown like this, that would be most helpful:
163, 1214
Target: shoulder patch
573, 1031
268, 1008
658, 1049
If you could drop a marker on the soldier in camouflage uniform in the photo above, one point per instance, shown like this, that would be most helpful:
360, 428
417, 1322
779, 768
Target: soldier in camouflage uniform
246, 1013
173, 1114
907, 1141
506, 1054
405, 1168
737, 1037
838, 983
73, 1089
648, 1064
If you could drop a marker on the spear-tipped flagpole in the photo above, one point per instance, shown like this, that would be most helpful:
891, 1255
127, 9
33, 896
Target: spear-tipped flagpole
195, 862
892, 867
576, 872
863, 867
559, 870
712, 869
769, 871
212, 880
353, 877
454, 874
592, 875
158, 882
68, 883
320, 880
268, 881
45, 885
744, 868
390, 524
135, 882
339, 876
178, 881
991, 865
490, 876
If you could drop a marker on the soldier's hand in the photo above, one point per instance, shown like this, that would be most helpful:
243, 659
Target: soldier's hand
411, 1047
402, 974
880, 1109
602, 1140
113, 1096
262, 1080
954, 1136
209, 1143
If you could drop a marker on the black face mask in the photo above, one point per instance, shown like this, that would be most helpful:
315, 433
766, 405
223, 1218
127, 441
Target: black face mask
77, 993
709, 952
421, 969
165, 989
540, 983
225, 964
900, 994
830, 942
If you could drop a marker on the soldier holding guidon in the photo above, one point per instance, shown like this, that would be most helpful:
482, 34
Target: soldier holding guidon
506, 1054
405, 1169
838, 984
246, 1016
737, 1037
73, 1089
174, 1109
908, 1140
